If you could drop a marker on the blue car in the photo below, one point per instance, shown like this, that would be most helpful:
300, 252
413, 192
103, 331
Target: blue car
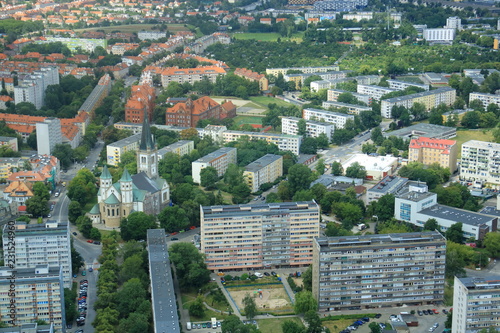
360, 322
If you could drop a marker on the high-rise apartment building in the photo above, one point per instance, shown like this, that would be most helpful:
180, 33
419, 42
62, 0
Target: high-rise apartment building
262, 235
32, 88
264, 170
36, 294
36, 244
219, 159
358, 272
476, 301
480, 162
48, 135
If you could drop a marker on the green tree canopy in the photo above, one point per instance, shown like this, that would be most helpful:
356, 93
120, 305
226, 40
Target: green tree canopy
135, 226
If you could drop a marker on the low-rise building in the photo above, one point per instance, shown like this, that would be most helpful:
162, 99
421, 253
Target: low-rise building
151, 35
402, 85
377, 167
422, 129
252, 236
188, 114
18, 192
115, 150
253, 76
190, 75
266, 169
219, 159
388, 185
289, 125
480, 162
351, 108
337, 118
429, 151
285, 142
10, 142
485, 98
361, 272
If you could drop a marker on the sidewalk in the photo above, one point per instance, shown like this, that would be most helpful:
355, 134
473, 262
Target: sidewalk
184, 314
235, 309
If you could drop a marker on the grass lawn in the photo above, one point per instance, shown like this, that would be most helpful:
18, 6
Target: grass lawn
267, 36
134, 28
240, 120
273, 325
266, 100
88, 206
108, 232
466, 135
336, 326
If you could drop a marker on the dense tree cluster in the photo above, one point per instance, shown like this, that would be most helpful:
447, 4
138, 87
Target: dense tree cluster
433, 175
190, 267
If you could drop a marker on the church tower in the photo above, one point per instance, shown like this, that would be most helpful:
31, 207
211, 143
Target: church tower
147, 156
126, 191
105, 181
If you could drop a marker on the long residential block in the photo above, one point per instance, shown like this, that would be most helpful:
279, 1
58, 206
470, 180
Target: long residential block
333, 95
486, 99
351, 108
337, 118
285, 142
480, 161
264, 170
289, 125
273, 235
370, 271
375, 92
402, 85
181, 148
219, 159
305, 70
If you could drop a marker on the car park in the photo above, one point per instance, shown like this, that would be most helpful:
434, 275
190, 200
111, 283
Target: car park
430, 312
425, 312
445, 311
209, 325
267, 274
273, 273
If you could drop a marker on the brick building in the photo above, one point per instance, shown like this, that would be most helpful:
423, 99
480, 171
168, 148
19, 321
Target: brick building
189, 113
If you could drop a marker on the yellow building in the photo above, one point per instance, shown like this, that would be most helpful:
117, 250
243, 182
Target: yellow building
115, 150
8, 164
429, 151
264, 170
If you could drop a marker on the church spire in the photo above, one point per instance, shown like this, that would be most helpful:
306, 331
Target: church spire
147, 140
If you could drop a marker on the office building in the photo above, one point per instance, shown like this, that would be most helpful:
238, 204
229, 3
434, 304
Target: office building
422, 129
351, 108
337, 118
115, 150
402, 85
275, 235
219, 159
480, 162
375, 92
429, 151
439, 35
38, 295
485, 98
289, 125
181, 148
417, 205
377, 167
430, 99
48, 135
285, 142
371, 271
476, 301
163, 301
266, 169
47, 243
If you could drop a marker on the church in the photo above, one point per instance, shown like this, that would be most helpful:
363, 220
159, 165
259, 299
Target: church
144, 192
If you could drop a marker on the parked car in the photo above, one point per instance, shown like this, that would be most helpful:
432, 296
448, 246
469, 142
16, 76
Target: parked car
430, 312
435, 311
378, 315
90, 241
420, 313
97, 242
445, 311
91, 269
75, 233
174, 238
425, 312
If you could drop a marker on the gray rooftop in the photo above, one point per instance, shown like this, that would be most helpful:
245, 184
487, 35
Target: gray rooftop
30, 274
457, 215
213, 155
338, 114
416, 196
389, 184
315, 122
162, 286
127, 141
420, 94
489, 282
143, 182
490, 210
347, 105
50, 227
173, 146
263, 134
262, 162
258, 208
427, 130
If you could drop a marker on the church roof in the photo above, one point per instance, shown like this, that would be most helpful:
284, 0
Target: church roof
125, 176
143, 182
95, 209
112, 200
105, 173
138, 195
147, 140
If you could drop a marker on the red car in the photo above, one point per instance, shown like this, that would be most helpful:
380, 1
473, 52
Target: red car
192, 227
435, 311
90, 241
174, 233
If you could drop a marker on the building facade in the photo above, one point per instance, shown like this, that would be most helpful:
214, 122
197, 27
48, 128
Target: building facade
305, 70
351, 108
371, 271
289, 125
429, 151
115, 150
141, 102
190, 75
219, 159
375, 92
480, 162
475, 304
253, 76
32, 88
255, 236
402, 85
485, 98
188, 114
36, 244
439, 35
333, 95
180, 148
337, 118
48, 135
266, 169
285, 142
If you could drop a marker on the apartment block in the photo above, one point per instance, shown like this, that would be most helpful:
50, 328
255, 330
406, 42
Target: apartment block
340, 5
402, 85
32, 87
181, 148
219, 159
36, 244
417, 205
289, 125
37, 294
190, 75
115, 150
285, 142
371, 271
351, 108
10, 164
305, 70
337, 118
300, 78
375, 92
429, 151
266, 169
429, 99
141, 102
253, 76
48, 135
480, 162
252, 236
476, 301
333, 95
10, 142
439, 35
151, 35
486, 99
454, 22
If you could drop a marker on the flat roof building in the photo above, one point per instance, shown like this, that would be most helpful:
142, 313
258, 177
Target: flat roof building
251, 236
371, 271
351, 108
181, 148
480, 162
388, 185
377, 167
266, 169
285, 142
115, 150
289, 125
337, 118
427, 130
219, 159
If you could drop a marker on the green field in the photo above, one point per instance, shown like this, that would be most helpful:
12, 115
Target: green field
240, 120
336, 326
466, 135
267, 36
273, 325
266, 100
134, 28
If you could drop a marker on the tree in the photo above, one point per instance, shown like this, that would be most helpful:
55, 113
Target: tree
37, 207
74, 211
455, 260
320, 166
431, 225
197, 308
337, 169
299, 177
377, 136
130, 296
471, 119
189, 265
249, 306
455, 233
492, 243
173, 218
355, 170
135, 226
134, 323
84, 225
374, 327
304, 302
307, 278
383, 208
302, 127
64, 153
289, 326
41, 190
208, 177
95, 234
313, 321
308, 146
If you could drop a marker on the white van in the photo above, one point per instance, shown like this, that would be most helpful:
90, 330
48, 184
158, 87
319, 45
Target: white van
214, 323
188, 326
259, 275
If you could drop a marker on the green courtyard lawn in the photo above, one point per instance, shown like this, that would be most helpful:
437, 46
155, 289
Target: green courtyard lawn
266, 100
273, 325
466, 135
240, 120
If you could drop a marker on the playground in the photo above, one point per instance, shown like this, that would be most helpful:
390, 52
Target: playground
269, 298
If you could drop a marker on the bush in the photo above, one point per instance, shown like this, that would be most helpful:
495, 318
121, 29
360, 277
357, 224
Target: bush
293, 285
228, 277
244, 276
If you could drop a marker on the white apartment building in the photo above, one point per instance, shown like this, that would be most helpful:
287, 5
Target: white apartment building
48, 135
252, 236
181, 148
285, 142
454, 22
32, 88
361, 272
375, 92
351, 108
305, 70
402, 85
429, 99
151, 35
289, 125
115, 150
38, 294
337, 118
439, 35
333, 95
46, 243
475, 303
219, 159
486, 99
266, 169
480, 162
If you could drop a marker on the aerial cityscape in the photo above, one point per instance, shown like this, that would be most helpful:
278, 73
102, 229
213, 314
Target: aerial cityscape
249, 166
